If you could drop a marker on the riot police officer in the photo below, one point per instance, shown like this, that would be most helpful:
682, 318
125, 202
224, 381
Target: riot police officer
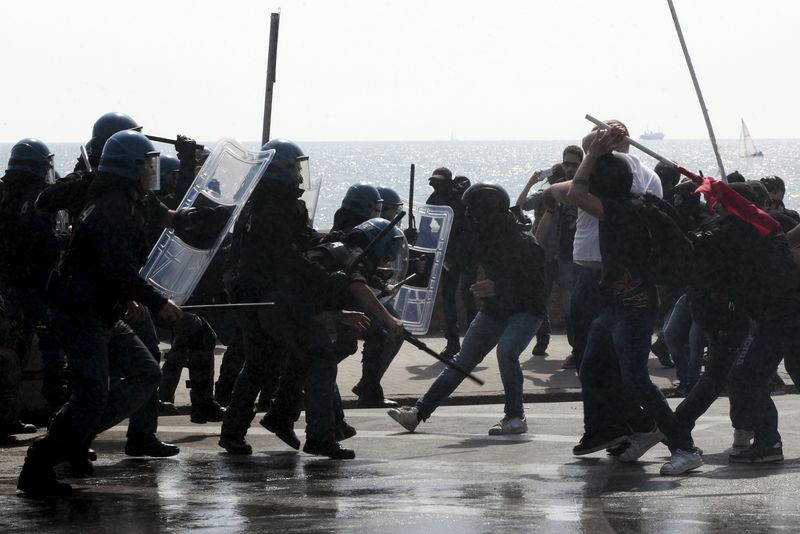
98, 285
29, 249
268, 264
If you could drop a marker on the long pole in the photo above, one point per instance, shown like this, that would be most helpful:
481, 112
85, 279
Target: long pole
411, 222
711, 135
272, 58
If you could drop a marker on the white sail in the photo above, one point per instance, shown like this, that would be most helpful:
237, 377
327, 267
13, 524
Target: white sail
747, 148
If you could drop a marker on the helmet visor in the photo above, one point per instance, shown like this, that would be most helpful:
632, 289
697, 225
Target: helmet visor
50, 175
393, 266
152, 172
303, 170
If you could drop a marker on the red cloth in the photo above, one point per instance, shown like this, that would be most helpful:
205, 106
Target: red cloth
716, 191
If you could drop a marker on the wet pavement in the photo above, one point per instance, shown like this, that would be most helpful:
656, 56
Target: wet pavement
448, 477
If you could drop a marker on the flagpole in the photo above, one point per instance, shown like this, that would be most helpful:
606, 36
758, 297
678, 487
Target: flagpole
711, 135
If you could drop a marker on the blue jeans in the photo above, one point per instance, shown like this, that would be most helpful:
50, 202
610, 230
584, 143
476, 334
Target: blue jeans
567, 278
685, 341
585, 305
752, 407
484, 333
616, 383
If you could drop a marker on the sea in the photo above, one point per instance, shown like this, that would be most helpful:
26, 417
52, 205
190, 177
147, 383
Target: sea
508, 163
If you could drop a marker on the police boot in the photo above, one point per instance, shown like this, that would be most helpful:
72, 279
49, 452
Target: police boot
174, 362
150, 445
38, 478
232, 362
201, 385
282, 428
331, 449
235, 445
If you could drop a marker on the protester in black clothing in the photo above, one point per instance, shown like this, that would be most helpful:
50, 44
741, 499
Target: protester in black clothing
459, 264
512, 297
98, 285
615, 382
777, 190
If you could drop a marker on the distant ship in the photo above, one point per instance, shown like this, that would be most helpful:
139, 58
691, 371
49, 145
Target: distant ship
652, 135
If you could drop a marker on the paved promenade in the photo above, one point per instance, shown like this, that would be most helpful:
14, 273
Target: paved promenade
413, 371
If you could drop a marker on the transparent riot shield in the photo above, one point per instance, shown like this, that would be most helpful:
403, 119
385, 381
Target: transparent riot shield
415, 300
312, 184
226, 180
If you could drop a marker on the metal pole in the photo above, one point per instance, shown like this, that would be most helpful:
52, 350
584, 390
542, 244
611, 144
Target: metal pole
713, 138
411, 221
272, 58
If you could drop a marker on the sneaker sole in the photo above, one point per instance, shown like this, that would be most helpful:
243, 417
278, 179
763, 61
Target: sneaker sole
629, 456
685, 469
402, 423
762, 460
500, 432
606, 445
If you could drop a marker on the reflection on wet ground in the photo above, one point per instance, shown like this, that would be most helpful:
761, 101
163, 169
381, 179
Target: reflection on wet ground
448, 478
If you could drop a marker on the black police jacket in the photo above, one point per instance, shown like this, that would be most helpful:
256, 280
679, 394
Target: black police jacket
100, 271
29, 246
267, 257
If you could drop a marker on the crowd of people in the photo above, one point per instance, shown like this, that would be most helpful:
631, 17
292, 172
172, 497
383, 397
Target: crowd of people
604, 228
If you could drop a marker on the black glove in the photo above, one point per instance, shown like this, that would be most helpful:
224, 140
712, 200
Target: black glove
411, 235
185, 147
191, 218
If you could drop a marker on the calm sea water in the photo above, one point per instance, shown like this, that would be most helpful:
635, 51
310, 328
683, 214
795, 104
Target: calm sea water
508, 163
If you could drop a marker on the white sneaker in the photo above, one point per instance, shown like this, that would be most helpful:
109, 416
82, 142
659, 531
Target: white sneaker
640, 443
509, 425
681, 462
742, 439
408, 416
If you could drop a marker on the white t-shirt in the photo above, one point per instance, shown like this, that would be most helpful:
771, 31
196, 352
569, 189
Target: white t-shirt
586, 246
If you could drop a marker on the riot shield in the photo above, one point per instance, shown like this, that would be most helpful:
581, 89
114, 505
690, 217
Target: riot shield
414, 301
311, 188
227, 178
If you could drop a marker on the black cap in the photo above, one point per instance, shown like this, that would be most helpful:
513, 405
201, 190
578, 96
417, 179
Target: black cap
442, 173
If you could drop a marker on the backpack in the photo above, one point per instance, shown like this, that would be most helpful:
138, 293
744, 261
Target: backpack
670, 256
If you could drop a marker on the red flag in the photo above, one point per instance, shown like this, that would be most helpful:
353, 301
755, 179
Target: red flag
716, 191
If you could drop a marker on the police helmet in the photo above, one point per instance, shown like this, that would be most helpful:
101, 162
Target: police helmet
169, 167
106, 126
389, 254
34, 157
289, 166
392, 203
363, 200
485, 200
131, 156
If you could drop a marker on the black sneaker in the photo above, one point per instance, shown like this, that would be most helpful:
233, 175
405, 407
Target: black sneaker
284, 430
659, 348
542, 342
596, 441
234, 445
150, 446
331, 449
757, 454
451, 349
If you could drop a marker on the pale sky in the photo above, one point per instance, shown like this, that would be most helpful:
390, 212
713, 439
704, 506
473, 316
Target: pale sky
410, 70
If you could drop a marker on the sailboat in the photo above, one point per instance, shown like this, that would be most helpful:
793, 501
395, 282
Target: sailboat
747, 148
